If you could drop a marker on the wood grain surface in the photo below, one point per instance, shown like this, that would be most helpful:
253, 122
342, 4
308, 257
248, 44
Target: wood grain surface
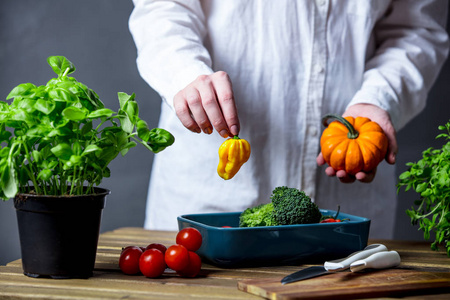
348, 285
213, 283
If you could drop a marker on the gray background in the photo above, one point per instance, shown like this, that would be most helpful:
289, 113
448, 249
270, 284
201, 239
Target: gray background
94, 36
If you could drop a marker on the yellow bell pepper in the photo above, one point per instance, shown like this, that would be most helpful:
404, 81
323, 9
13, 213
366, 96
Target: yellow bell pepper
233, 153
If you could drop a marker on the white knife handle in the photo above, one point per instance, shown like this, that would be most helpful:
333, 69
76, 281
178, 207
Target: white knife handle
344, 263
381, 260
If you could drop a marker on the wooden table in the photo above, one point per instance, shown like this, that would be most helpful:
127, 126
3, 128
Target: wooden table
213, 283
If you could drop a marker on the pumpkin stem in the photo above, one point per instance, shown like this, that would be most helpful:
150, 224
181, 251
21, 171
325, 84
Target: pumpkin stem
236, 137
352, 133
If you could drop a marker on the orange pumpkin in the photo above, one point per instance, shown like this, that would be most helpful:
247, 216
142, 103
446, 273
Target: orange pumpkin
353, 144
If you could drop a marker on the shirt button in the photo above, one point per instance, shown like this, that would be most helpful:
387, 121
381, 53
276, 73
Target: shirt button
321, 2
318, 68
313, 131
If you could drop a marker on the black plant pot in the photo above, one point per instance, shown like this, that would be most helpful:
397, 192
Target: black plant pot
59, 234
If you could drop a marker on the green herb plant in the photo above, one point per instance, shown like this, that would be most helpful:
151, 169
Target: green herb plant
58, 138
430, 178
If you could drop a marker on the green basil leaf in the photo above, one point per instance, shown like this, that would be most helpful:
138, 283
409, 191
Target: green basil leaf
52, 164
94, 99
76, 159
124, 151
162, 137
61, 65
21, 115
124, 98
90, 96
45, 175
45, 106
62, 151
74, 113
86, 129
22, 90
106, 173
107, 154
4, 107
100, 113
27, 105
62, 95
8, 181
159, 139
53, 82
121, 139
142, 130
38, 131
405, 175
67, 166
91, 148
125, 122
421, 187
132, 110
69, 85
18, 128
60, 131
127, 147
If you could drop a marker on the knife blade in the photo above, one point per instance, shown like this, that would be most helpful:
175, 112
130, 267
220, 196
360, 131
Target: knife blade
330, 267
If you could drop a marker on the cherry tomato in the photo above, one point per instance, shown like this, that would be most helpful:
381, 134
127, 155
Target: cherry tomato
190, 238
226, 226
177, 257
142, 248
151, 263
127, 247
129, 260
160, 247
194, 266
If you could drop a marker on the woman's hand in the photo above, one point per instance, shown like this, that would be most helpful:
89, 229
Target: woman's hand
379, 116
208, 103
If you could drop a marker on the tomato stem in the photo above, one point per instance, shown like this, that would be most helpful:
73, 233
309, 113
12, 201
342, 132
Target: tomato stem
352, 133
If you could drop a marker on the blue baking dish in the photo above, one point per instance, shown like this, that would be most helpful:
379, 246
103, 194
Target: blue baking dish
269, 245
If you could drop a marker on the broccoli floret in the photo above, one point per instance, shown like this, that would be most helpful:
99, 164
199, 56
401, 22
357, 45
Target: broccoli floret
261, 215
292, 206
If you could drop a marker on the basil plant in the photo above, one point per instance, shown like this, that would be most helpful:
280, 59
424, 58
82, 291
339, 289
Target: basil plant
59, 138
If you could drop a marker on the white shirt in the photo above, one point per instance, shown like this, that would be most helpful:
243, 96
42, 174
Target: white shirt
290, 62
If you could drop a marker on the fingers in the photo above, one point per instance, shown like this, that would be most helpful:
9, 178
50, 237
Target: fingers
208, 103
320, 160
392, 144
183, 111
366, 177
224, 92
344, 177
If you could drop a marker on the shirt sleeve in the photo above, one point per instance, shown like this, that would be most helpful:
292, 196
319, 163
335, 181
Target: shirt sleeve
169, 40
412, 47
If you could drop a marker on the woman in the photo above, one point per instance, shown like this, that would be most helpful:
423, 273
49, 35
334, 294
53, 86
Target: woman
269, 71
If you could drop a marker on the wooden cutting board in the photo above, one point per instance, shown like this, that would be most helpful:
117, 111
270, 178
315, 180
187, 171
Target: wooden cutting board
348, 285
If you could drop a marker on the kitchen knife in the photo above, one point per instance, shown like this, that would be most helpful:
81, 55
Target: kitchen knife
335, 265
380, 260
